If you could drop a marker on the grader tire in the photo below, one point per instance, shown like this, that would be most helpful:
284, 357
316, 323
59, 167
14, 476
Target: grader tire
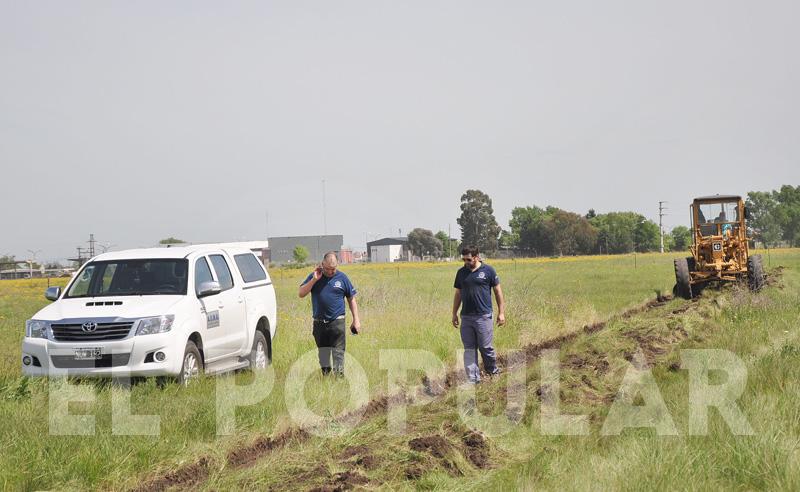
683, 281
755, 273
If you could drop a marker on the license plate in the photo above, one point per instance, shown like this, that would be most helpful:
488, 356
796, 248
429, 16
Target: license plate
92, 353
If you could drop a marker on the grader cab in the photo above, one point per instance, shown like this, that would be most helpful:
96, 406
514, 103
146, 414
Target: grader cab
719, 247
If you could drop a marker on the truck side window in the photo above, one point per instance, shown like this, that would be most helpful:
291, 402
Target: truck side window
223, 272
250, 268
201, 273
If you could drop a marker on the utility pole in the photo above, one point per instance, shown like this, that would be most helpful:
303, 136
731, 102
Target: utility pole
32, 261
91, 245
661, 215
449, 244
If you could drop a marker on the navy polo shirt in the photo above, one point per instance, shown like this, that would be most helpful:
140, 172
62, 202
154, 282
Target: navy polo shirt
476, 289
327, 295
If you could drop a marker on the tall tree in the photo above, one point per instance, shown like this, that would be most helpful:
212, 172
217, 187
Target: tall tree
570, 234
478, 224
508, 240
625, 232
527, 227
761, 206
681, 238
646, 235
615, 232
787, 213
423, 243
552, 231
450, 246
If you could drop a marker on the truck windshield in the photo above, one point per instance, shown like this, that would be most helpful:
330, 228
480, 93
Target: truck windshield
715, 213
711, 214
131, 278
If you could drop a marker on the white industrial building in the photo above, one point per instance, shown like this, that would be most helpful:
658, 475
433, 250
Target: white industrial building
388, 250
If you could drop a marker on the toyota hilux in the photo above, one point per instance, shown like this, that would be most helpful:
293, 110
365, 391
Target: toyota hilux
177, 311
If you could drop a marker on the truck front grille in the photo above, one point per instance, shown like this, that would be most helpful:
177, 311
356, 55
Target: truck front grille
107, 360
75, 332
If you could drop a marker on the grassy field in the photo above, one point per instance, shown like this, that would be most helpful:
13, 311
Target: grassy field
408, 307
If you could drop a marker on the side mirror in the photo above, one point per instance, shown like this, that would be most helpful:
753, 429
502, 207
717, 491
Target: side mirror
746, 213
53, 293
209, 289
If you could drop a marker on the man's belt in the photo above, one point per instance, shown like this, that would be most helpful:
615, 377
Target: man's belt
326, 321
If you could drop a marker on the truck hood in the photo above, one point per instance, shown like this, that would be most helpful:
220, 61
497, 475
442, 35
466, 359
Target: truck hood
130, 307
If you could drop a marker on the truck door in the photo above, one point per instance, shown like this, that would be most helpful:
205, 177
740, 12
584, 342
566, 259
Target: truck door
208, 313
230, 303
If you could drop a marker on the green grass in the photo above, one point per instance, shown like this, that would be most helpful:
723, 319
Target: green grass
409, 307
760, 328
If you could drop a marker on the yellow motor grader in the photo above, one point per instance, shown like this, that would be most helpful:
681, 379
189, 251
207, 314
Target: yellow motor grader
719, 247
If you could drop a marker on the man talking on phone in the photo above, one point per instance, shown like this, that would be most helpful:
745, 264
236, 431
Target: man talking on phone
329, 288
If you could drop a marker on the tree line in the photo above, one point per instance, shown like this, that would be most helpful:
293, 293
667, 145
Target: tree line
552, 231
775, 216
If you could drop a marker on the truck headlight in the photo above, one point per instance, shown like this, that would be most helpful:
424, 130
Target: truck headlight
157, 324
35, 328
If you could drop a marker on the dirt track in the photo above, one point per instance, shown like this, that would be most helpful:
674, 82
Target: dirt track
474, 445
471, 445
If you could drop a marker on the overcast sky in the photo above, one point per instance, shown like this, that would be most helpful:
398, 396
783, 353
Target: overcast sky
141, 120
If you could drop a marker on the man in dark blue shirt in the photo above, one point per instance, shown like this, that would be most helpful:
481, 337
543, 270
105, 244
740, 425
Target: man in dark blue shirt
474, 284
329, 287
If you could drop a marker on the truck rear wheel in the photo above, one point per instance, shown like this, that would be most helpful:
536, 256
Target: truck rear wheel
683, 281
259, 356
755, 273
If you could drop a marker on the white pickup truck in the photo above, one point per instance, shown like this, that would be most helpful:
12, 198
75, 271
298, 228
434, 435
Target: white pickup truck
156, 312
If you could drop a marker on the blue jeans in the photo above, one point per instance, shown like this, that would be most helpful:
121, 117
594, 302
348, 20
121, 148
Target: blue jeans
477, 332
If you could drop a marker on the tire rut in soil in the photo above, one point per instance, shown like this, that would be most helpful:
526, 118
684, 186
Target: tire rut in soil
476, 446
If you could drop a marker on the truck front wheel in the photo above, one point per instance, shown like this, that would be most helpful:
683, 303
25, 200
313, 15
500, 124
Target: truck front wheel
192, 365
683, 281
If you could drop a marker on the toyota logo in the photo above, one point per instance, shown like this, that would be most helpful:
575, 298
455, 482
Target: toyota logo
89, 327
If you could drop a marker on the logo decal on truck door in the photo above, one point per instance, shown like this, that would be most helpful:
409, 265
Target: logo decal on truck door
212, 319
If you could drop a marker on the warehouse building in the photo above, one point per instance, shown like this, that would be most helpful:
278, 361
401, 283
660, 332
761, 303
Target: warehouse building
281, 249
388, 250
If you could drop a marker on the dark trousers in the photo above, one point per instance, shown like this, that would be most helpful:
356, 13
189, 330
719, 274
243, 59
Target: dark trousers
331, 339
